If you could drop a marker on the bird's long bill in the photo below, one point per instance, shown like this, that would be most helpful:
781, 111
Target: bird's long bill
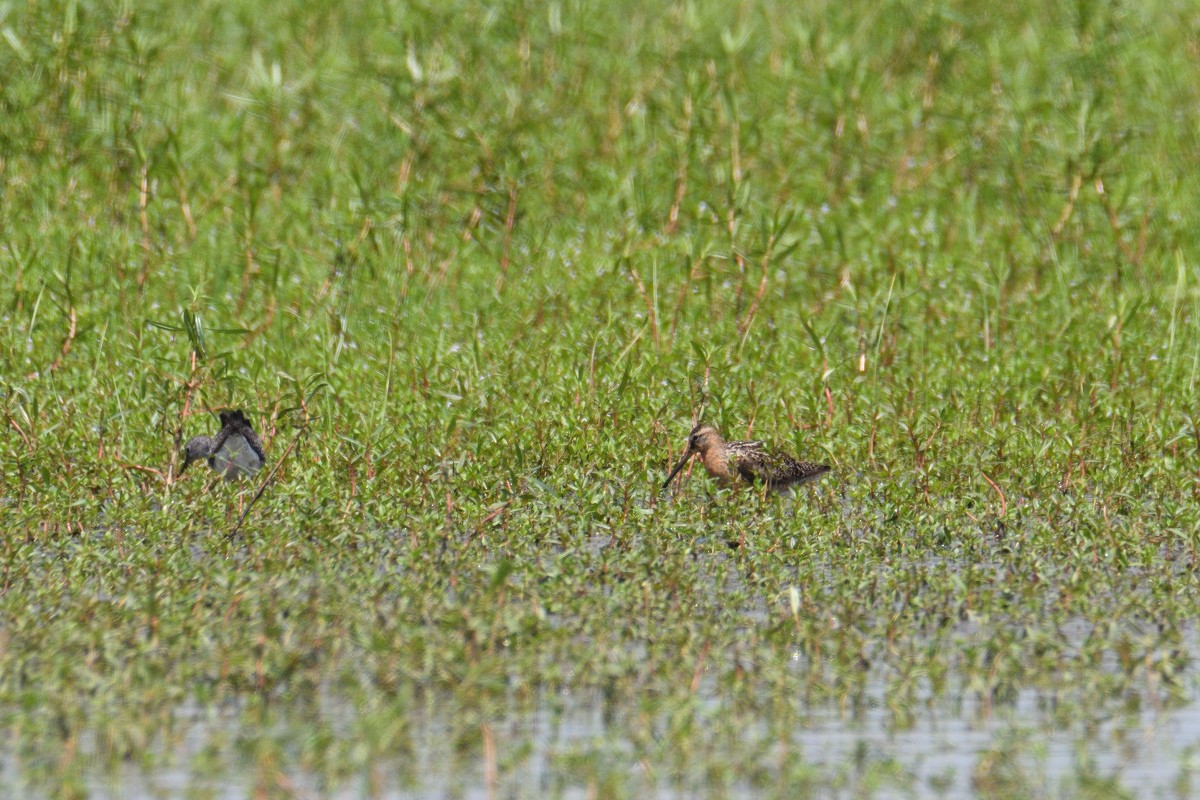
185, 465
686, 457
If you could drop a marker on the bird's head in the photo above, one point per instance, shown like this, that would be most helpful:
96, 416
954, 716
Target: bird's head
699, 440
197, 448
702, 437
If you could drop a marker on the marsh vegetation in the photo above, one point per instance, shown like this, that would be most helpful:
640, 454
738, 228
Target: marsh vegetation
472, 269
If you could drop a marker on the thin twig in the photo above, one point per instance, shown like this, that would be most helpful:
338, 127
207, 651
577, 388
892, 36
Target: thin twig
1069, 207
17, 428
684, 288
641, 287
144, 221
158, 473
1003, 502
66, 345
762, 290
491, 774
698, 672
497, 512
682, 171
189, 387
510, 222
1114, 221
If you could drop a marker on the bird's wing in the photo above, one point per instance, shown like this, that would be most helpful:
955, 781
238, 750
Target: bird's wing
791, 471
255, 443
218, 441
747, 470
750, 459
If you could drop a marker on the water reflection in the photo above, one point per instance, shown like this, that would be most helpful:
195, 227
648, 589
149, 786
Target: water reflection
575, 746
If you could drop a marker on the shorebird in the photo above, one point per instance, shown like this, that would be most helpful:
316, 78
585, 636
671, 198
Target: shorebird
234, 452
731, 462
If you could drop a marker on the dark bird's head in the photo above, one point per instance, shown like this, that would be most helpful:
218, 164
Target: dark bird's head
701, 438
198, 448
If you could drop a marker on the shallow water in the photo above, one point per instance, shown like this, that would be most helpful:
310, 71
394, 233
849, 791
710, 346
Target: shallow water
956, 749
953, 743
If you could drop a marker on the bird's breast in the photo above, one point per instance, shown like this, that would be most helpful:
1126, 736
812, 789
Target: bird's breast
717, 463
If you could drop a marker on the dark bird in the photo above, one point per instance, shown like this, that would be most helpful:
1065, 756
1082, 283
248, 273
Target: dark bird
730, 462
234, 452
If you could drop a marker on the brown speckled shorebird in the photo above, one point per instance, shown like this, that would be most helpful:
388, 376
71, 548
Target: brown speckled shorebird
731, 462
234, 452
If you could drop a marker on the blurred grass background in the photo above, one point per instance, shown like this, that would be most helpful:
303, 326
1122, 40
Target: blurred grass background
483, 263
